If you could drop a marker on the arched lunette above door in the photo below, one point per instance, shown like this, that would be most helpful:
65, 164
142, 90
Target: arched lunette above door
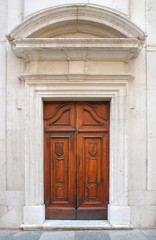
76, 27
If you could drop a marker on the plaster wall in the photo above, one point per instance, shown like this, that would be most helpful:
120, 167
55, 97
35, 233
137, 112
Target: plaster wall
141, 108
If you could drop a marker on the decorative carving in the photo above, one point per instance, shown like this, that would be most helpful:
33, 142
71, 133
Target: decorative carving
92, 148
60, 192
92, 117
61, 118
89, 119
92, 192
59, 148
59, 159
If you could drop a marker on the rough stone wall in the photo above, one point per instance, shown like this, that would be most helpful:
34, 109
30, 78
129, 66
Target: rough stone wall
142, 112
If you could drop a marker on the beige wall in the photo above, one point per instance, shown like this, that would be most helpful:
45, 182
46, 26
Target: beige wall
141, 109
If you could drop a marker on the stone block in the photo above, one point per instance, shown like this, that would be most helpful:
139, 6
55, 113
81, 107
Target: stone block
151, 29
34, 215
151, 69
12, 218
2, 166
138, 17
11, 198
47, 67
137, 138
137, 64
2, 89
92, 235
142, 198
4, 235
76, 67
119, 215
152, 163
122, 6
104, 67
19, 235
151, 5
68, 235
151, 112
150, 234
15, 178
15, 136
143, 216
128, 235
3, 210
31, 6
3, 18
2, 114
15, 13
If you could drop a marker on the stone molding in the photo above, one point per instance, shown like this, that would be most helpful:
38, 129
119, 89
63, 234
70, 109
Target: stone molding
114, 37
67, 48
113, 88
35, 78
33, 26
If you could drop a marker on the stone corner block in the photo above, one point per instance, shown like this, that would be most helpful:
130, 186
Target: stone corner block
34, 214
119, 215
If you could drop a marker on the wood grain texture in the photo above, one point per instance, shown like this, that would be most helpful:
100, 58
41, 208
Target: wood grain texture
76, 160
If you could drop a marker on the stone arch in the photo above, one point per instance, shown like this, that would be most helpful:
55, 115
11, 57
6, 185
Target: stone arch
82, 18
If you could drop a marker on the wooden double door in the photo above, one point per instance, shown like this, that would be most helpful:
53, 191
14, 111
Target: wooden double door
76, 160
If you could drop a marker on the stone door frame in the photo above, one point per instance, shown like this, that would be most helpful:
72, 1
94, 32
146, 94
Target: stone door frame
96, 87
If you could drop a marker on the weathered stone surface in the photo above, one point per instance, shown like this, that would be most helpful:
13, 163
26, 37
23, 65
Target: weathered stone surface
150, 234
68, 235
127, 235
151, 31
4, 235
31, 6
98, 235
2, 112
3, 20
143, 216
12, 217
19, 235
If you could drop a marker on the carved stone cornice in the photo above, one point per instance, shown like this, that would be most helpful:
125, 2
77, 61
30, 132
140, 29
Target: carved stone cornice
36, 78
44, 35
116, 49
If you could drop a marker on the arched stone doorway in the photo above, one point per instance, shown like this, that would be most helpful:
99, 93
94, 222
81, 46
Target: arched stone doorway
71, 53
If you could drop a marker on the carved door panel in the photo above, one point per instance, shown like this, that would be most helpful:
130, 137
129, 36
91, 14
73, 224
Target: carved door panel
76, 148
59, 160
92, 159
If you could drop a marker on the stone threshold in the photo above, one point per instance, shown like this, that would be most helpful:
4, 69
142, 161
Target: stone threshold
67, 225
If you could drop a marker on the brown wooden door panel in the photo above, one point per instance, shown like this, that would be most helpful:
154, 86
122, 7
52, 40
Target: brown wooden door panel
76, 149
61, 180
92, 175
93, 116
59, 116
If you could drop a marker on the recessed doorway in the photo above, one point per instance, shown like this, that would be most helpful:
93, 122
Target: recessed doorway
76, 160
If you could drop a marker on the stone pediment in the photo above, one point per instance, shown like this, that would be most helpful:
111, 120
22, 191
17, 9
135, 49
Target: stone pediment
77, 32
